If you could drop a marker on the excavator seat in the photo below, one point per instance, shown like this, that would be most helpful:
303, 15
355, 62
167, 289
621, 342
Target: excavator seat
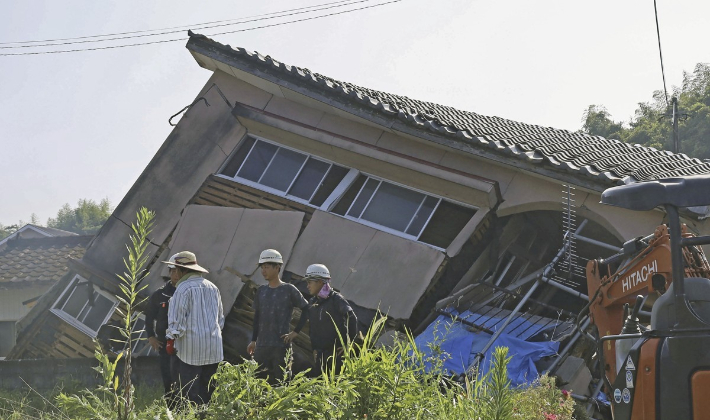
698, 291
690, 191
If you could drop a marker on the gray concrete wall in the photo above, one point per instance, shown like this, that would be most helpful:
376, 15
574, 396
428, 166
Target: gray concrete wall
196, 148
45, 374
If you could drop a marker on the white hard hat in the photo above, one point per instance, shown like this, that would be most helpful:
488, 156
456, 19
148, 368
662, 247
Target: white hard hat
270, 256
318, 271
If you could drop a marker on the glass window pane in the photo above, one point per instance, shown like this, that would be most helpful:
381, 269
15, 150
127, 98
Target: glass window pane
332, 179
347, 199
283, 169
309, 179
238, 158
98, 312
446, 222
422, 216
363, 198
257, 161
77, 300
393, 206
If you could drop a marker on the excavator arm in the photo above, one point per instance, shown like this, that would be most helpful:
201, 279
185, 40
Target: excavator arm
642, 267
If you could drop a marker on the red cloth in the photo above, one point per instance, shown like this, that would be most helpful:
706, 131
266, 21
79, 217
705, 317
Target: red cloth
170, 347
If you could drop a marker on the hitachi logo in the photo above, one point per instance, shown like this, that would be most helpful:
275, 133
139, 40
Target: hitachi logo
639, 276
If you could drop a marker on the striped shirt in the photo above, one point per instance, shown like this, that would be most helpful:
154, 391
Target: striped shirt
195, 321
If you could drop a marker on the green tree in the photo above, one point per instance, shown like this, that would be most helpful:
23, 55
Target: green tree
86, 218
7, 230
597, 121
651, 125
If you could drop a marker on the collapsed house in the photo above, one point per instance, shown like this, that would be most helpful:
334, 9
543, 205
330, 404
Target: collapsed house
419, 210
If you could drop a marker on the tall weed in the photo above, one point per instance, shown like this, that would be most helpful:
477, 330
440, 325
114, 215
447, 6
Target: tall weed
109, 401
379, 383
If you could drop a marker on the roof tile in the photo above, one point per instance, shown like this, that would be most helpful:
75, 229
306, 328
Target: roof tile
39, 259
609, 161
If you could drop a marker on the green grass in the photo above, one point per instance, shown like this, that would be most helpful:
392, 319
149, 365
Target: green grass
28, 403
375, 384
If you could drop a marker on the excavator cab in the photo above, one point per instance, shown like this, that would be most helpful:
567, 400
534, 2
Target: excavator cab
666, 373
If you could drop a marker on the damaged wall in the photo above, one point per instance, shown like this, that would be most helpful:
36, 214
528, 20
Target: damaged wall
196, 148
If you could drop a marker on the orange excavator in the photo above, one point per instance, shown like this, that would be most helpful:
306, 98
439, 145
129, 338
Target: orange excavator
658, 369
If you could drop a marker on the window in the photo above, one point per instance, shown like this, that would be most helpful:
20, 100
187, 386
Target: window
84, 306
139, 338
369, 200
285, 171
404, 210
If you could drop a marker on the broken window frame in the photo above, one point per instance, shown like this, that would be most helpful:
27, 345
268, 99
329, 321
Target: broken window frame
75, 322
339, 191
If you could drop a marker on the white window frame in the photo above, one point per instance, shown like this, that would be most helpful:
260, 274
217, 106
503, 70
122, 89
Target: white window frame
345, 184
75, 322
328, 201
143, 338
388, 229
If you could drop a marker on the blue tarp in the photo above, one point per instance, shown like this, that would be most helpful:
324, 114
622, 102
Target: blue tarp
461, 345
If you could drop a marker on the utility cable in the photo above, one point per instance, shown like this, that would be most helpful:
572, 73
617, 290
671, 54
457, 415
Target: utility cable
167, 31
168, 28
658, 32
182, 38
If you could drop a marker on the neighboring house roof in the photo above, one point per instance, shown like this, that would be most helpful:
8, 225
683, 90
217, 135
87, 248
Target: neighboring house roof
605, 161
34, 231
28, 262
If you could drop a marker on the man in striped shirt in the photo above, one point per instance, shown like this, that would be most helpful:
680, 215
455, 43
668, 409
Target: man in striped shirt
194, 335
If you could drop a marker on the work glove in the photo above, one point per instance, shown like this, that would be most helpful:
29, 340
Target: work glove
170, 346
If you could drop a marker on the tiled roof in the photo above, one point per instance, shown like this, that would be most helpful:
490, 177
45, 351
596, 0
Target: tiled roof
602, 160
43, 260
54, 231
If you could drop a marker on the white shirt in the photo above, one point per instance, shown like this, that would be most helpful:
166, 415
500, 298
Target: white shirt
195, 321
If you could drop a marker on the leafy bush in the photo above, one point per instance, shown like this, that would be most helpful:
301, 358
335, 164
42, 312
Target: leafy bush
385, 383
375, 383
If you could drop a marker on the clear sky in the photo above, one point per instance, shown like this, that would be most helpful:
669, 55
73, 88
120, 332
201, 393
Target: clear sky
84, 125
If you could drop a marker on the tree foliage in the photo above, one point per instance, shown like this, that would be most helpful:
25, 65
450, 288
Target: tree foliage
652, 125
7, 230
86, 218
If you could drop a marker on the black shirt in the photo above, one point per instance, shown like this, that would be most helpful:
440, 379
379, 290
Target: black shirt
273, 308
324, 315
157, 311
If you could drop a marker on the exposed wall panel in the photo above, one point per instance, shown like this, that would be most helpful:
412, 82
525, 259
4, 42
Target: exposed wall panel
228, 240
374, 269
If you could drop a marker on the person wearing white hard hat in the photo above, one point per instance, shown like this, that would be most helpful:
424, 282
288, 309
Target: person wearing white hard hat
156, 325
273, 309
332, 320
194, 334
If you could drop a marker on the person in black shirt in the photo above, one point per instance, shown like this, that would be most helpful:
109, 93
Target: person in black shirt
332, 320
156, 324
273, 309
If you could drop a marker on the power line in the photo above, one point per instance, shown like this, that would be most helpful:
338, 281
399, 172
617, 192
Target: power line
658, 32
173, 30
219, 33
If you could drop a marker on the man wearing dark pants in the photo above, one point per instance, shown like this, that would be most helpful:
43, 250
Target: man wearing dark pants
273, 308
332, 320
194, 334
156, 324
